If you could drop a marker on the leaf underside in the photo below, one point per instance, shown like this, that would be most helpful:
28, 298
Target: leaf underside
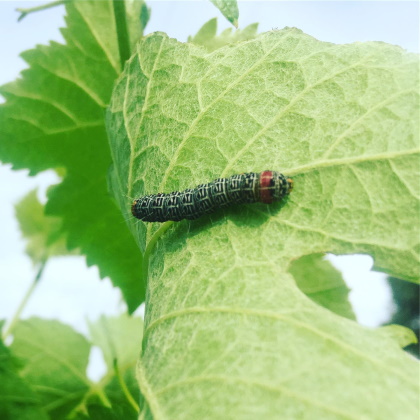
228, 333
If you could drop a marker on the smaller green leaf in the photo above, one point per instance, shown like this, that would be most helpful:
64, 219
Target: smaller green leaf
229, 9
17, 400
55, 358
406, 297
120, 342
206, 36
118, 338
138, 14
323, 283
43, 233
205, 33
403, 336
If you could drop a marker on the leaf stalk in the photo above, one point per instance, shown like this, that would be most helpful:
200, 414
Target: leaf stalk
25, 300
124, 388
24, 12
165, 226
122, 32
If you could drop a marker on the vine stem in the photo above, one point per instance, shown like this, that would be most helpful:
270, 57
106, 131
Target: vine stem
122, 32
24, 12
25, 299
151, 245
124, 388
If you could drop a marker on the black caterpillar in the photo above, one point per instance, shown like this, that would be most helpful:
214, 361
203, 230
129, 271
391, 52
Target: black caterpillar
264, 187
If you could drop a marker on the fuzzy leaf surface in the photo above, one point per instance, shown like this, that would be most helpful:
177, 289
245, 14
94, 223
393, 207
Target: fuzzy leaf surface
54, 118
228, 334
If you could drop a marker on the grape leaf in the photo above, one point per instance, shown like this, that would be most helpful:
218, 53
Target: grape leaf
207, 37
54, 118
43, 233
322, 283
100, 412
118, 338
228, 334
17, 400
56, 358
229, 9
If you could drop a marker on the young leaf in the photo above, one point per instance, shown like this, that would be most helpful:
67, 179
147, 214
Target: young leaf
227, 331
118, 338
406, 297
207, 37
322, 283
43, 233
53, 118
229, 9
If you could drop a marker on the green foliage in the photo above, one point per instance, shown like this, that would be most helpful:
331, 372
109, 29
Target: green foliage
17, 400
228, 332
53, 118
244, 319
207, 37
43, 233
118, 338
407, 310
323, 283
229, 9
55, 358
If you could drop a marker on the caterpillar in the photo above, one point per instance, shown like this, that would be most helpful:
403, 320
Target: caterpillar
264, 187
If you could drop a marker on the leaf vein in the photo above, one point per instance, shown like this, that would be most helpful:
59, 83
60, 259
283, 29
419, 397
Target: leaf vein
266, 386
276, 316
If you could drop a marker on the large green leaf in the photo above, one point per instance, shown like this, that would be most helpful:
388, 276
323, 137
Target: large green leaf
228, 333
54, 117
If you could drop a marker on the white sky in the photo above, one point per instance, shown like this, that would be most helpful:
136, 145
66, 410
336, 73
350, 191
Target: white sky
69, 291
